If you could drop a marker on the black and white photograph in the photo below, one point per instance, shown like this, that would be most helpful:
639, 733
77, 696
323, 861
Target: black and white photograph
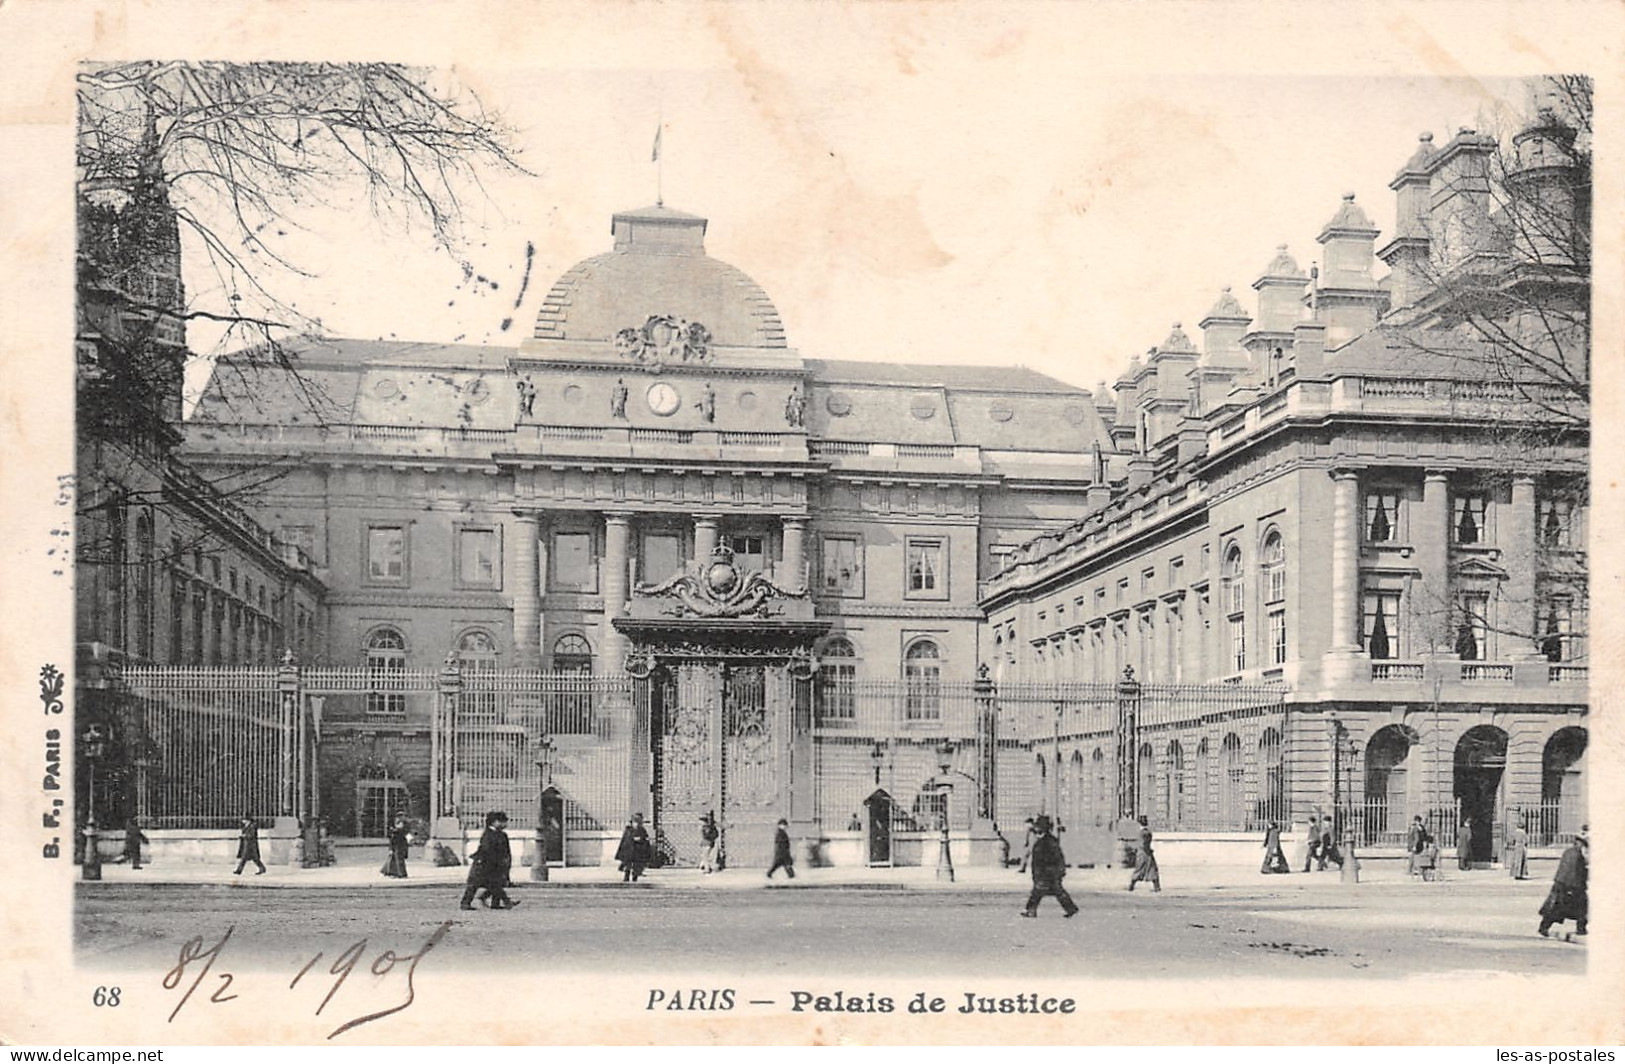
802, 523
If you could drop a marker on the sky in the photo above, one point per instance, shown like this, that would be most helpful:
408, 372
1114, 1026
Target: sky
921, 202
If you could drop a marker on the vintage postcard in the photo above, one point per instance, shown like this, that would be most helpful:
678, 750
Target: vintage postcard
809, 523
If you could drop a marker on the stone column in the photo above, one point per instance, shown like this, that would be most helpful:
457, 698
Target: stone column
1430, 533
617, 535
1345, 560
527, 593
794, 577
705, 536
1517, 537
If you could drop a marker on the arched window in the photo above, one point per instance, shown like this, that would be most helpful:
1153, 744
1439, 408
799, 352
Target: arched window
1077, 790
1145, 775
922, 681
1235, 604
1176, 784
1202, 790
1272, 795
837, 679
386, 659
476, 654
1232, 781
571, 708
1102, 811
572, 653
1272, 563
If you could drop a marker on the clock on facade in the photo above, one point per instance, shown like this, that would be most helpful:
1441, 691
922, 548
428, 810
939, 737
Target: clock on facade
663, 399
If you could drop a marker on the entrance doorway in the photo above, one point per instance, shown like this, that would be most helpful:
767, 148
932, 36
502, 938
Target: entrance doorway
717, 736
877, 828
1480, 771
550, 815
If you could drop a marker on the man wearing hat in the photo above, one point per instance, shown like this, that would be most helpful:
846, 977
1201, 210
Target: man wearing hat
1048, 868
1568, 899
491, 864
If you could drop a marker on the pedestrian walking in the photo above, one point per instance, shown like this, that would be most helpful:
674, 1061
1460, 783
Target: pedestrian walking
488, 871
1312, 844
132, 841
1274, 856
1328, 845
248, 846
1027, 844
710, 834
1568, 897
1416, 840
1464, 845
399, 840
1145, 861
1516, 852
1048, 870
634, 850
782, 857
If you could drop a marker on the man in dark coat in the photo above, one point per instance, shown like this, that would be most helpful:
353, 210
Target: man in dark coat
1569, 899
1048, 865
248, 847
633, 852
133, 838
491, 864
782, 857
1328, 845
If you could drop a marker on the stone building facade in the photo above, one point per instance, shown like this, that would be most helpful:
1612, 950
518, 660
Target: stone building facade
1352, 493
560, 507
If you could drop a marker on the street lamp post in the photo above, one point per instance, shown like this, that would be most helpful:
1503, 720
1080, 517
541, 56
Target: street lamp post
945, 857
94, 740
544, 775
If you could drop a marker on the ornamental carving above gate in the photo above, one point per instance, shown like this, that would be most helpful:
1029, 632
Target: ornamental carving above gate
718, 588
662, 339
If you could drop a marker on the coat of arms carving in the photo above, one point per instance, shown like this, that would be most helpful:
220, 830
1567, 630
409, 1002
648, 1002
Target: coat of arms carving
717, 588
663, 339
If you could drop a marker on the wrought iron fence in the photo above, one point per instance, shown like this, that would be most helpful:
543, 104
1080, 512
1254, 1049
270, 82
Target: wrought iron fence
204, 747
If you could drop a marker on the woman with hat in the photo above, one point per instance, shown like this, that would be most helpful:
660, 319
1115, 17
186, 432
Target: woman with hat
1048, 865
399, 840
1145, 862
1568, 898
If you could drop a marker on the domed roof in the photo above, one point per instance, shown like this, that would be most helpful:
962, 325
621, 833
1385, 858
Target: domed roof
658, 267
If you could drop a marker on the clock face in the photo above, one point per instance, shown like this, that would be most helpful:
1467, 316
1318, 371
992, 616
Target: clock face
663, 399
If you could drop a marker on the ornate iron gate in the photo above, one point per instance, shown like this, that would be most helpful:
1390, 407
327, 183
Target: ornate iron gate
719, 747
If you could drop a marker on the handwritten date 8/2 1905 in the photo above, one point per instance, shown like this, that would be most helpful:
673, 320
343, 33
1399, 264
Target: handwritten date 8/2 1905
197, 961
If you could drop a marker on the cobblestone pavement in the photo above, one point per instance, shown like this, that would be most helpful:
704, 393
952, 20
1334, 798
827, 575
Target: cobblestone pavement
1207, 922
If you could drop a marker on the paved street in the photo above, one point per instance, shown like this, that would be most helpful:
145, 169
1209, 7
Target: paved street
1291, 927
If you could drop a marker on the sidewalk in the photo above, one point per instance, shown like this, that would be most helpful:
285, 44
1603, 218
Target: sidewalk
1177, 880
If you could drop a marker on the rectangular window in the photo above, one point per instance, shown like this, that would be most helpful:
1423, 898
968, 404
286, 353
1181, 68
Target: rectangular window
1100, 601
1176, 643
1003, 556
386, 554
1277, 637
1176, 573
748, 553
1381, 517
843, 566
1379, 625
477, 561
926, 575
1147, 578
1148, 645
1467, 519
1472, 626
1238, 643
574, 567
837, 690
662, 556
1122, 591
1207, 557
1554, 523
1558, 639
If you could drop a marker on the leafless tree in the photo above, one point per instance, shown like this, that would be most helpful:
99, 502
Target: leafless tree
217, 162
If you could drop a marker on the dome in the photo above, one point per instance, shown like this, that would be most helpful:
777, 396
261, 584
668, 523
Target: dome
658, 267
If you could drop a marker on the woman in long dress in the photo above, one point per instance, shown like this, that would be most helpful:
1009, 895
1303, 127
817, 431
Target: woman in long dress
1274, 858
399, 840
1464, 844
1517, 851
1145, 862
